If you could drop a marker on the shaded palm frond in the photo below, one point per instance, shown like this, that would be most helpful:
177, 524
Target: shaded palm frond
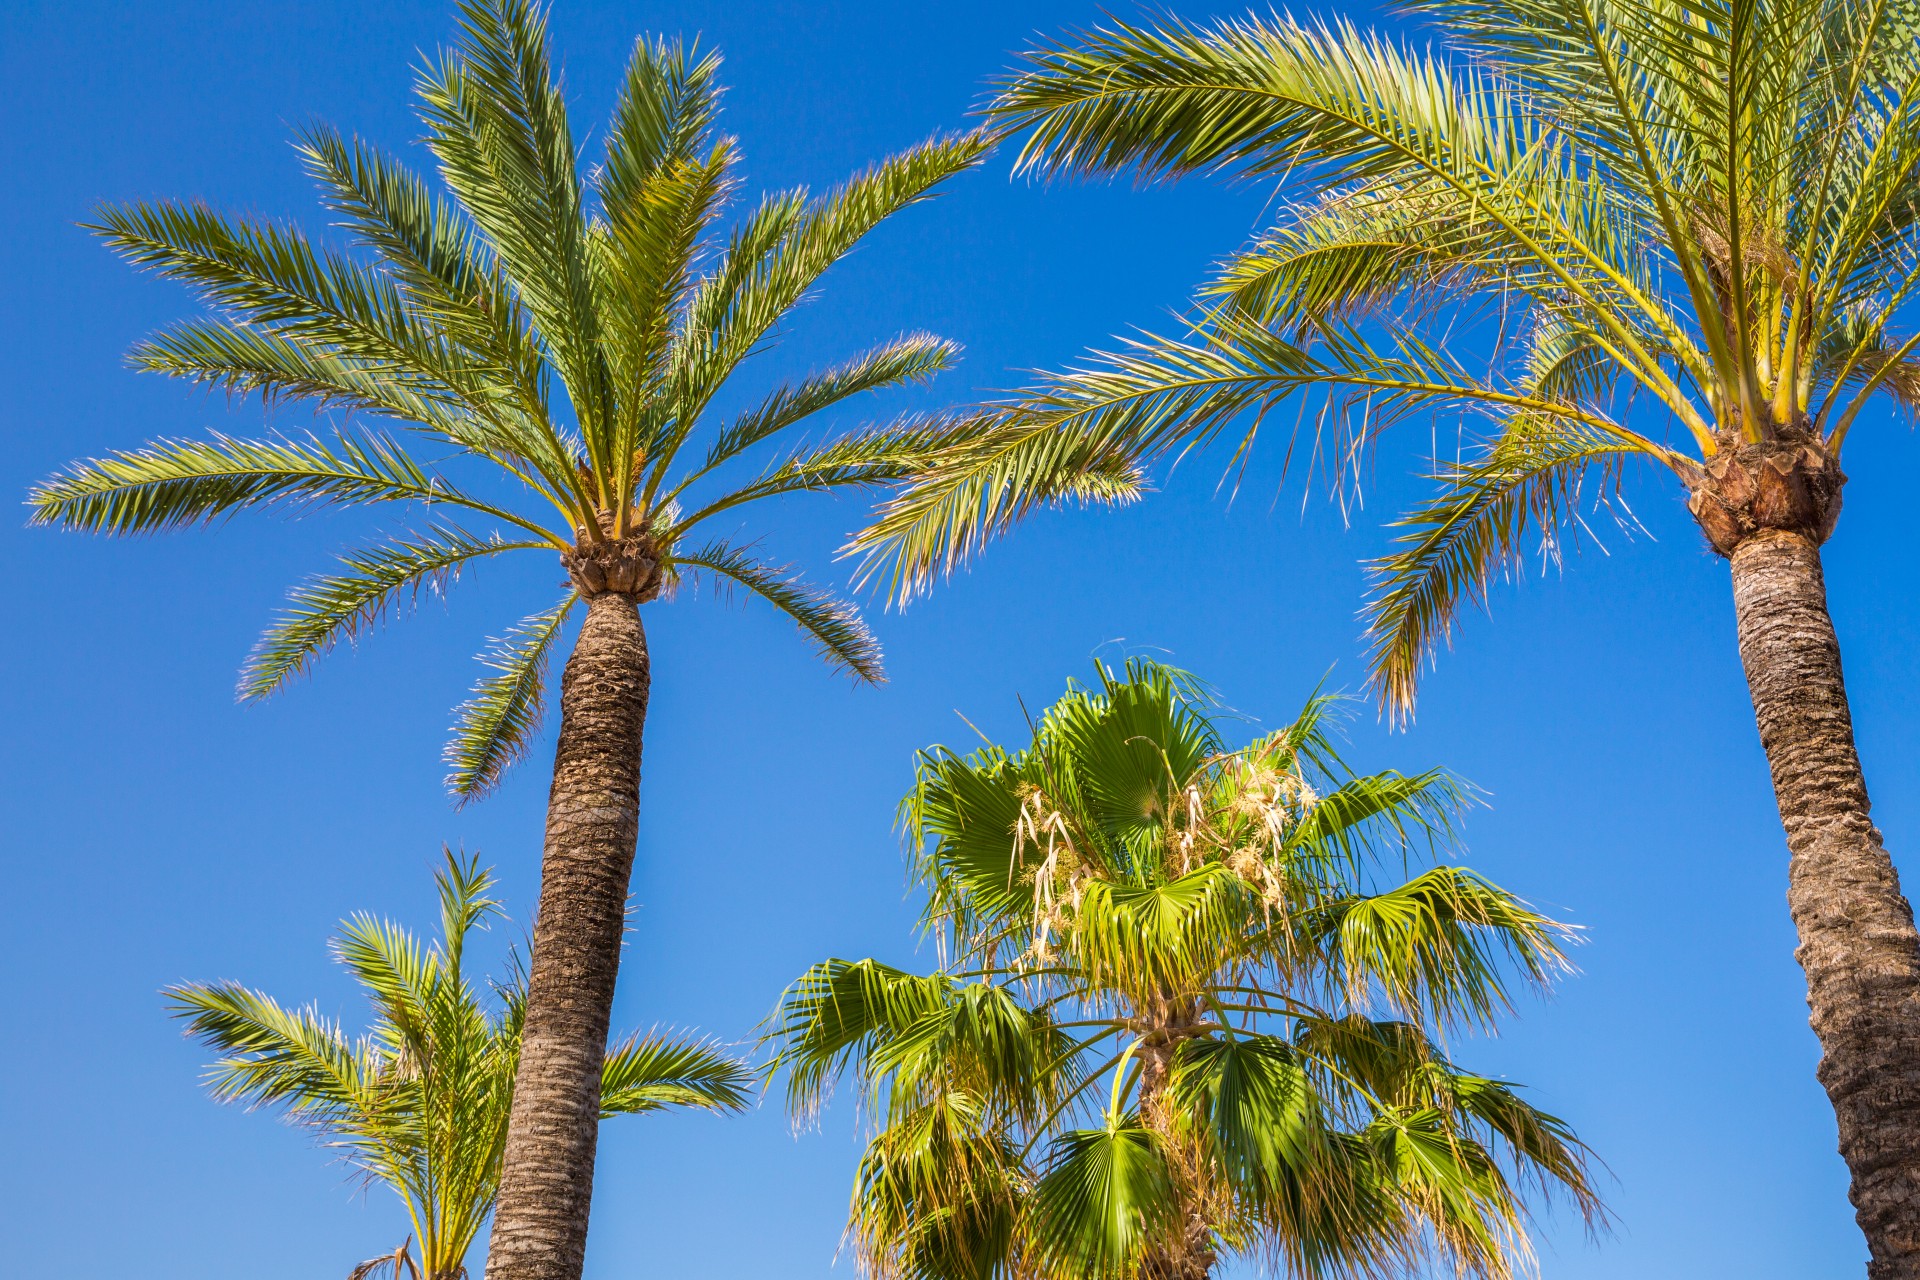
495, 726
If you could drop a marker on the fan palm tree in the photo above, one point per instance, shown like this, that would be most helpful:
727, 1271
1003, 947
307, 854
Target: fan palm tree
554, 341
1177, 1018
420, 1102
1706, 208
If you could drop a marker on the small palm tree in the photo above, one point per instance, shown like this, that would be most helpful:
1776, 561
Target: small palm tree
1176, 1018
550, 338
1709, 208
420, 1102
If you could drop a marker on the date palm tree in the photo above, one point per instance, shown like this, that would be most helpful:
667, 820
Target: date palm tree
1177, 1018
554, 340
420, 1102
1709, 209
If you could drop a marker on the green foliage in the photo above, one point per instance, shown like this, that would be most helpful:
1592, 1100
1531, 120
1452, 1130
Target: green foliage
1230, 940
560, 329
1712, 208
420, 1101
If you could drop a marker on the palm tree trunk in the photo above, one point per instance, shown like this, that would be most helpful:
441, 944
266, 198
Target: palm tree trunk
593, 820
1858, 946
1186, 1251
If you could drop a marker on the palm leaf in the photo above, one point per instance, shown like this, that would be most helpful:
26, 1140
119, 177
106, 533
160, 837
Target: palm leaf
833, 624
494, 727
648, 1072
327, 610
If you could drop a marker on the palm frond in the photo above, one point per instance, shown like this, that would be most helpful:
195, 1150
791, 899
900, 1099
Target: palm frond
1104, 1200
913, 357
327, 610
273, 1055
660, 1069
183, 482
497, 122
833, 624
494, 727
1529, 479
791, 246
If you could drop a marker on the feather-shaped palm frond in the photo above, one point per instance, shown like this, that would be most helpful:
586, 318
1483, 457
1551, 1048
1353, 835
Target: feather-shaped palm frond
420, 1101
833, 624
1710, 208
183, 482
494, 727
340, 607
661, 1069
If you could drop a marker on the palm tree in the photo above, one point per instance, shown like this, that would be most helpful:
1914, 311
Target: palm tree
1710, 207
552, 337
420, 1102
1176, 1018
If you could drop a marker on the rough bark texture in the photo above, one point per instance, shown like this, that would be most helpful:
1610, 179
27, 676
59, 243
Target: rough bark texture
1186, 1250
1857, 940
593, 816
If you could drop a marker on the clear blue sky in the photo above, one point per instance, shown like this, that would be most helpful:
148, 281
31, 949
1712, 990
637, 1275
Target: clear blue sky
154, 831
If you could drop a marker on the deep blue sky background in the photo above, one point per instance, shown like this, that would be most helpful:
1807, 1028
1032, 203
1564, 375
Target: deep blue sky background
154, 831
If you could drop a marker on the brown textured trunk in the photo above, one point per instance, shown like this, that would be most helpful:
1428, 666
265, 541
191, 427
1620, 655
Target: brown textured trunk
1186, 1252
1768, 510
593, 817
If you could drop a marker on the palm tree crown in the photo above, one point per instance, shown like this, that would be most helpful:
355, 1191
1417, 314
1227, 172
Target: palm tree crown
1176, 1015
1713, 209
570, 328
420, 1101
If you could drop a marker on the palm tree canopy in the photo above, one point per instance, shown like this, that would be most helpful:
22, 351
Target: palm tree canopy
570, 327
420, 1101
1183, 996
1709, 206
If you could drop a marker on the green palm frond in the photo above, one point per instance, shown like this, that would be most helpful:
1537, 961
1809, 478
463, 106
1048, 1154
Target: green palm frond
833, 624
1095, 432
659, 1069
183, 482
792, 243
420, 1101
1438, 946
1253, 1100
939, 1194
494, 727
1128, 901
1712, 207
1105, 1198
914, 357
497, 123
253, 361
1529, 479
327, 610
274, 1055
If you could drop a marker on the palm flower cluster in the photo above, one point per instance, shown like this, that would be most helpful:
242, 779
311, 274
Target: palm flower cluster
420, 1101
1176, 1016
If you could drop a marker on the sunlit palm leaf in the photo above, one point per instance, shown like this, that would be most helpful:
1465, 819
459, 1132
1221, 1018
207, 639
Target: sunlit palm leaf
330, 609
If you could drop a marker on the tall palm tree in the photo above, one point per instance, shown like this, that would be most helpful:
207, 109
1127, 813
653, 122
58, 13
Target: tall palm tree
553, 338
420, 1102
1177, 1018
1710, 208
